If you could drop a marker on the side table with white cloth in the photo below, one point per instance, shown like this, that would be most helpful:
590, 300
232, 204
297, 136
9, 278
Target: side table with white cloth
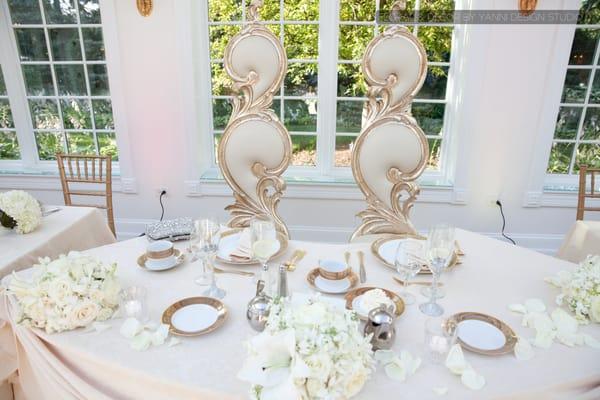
70, 228
101, 365
582, 240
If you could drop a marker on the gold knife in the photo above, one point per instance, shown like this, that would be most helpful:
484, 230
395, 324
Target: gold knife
296, 257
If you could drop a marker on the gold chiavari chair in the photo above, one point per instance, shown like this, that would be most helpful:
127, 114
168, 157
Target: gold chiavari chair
87, 169
584, 171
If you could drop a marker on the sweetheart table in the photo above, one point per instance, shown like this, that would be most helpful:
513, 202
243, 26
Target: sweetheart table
94, 365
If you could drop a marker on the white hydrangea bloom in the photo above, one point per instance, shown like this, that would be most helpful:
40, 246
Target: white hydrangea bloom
23, 209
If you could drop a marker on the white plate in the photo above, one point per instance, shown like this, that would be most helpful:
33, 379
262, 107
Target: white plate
332, 286
481, 335
387, 250
357, 305
194, 318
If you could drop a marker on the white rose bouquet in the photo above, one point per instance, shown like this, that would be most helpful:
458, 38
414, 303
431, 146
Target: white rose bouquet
309, 351
67, 293
19, 210
580, 289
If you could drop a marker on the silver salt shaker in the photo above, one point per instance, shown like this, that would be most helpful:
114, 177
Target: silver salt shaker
282, 283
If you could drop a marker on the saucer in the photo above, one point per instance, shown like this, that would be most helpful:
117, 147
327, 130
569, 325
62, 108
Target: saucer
331, 286
179, 259
354, 297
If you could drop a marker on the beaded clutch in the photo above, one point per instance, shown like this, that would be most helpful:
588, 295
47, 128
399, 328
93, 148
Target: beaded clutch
172, 229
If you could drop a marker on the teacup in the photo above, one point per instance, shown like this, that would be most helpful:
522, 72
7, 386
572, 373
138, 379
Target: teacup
160, 254
333, 270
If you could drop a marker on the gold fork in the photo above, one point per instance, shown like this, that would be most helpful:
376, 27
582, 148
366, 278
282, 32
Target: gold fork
295, 259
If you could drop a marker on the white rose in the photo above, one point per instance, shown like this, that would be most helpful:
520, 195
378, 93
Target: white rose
84, 313
355, 383
314, 387
58, 290
104, 314
111, 292
595, 309
320, 365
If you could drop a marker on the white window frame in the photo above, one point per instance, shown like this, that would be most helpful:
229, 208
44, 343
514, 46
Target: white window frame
44, 174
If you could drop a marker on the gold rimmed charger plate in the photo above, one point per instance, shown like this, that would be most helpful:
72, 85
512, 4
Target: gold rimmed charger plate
179, 259
283, 244
509, 335
376, 245
353, 294
314, 273
209, 301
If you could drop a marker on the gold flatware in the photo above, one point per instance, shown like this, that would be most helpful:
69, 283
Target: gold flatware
296, 257
361, 261
423, 283
509, 335
232, 271
218, 307
459, 251
347, 258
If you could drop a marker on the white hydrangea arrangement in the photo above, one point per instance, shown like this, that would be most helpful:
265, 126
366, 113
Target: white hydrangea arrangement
19, 210
308, 351
580, 289
69, 292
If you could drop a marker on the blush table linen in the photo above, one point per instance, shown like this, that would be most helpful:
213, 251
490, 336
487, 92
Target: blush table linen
582, 240
70, 228
80, 365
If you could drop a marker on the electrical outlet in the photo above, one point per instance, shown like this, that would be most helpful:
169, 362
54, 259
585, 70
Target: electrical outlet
159, 190
491, 201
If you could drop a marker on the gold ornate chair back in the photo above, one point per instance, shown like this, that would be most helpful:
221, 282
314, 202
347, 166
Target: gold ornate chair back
255, 148
84, 169
584, 171
391, 151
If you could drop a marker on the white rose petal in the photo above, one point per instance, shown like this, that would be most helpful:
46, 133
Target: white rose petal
130, 328
455, 361
523, 350
440, 391
541, 322
518, 308
591, 341
563, 321
410, 363
395, 370
151, 326
384, 356
173, 342
535, 305
100, 327
472, 379
160, 335
544, 339
142, 341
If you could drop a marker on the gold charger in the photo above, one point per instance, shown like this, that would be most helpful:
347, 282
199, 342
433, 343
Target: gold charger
314, 273
179, 259
283, 244
209, 301
509, 334
353, 294
376, 245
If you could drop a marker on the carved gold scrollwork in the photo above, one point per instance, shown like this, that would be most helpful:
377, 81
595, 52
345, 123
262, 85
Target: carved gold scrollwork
392, 82
255, 148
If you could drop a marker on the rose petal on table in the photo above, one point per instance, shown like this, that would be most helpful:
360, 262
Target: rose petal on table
160, 335
591, 341
411, 364
563, 321
395, 370
523, 349
173, 342
518, 308
142, 341
384, 356
440, 391
100, 327
472, 379
541, 322
151, 326
130, 328
544, 339
455, 361
535, 305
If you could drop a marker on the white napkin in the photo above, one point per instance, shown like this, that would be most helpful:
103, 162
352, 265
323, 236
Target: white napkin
243, 250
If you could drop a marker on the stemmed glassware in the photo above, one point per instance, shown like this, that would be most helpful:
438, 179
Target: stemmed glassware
440, 248
265, 244
409, 261
209, 236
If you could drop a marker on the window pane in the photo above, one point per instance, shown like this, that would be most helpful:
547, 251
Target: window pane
219, 37
76, 113
221, 82
429, 116
304, 150
437, 41
225, 10
276, 107
301, 79
587, 154
435, 84
595, 93
44, 114
98, 80
70, 80
343, 150
301, 41
436, 11
349, 116
9, 146
25, 11
107, 145
588, 13
300, 115
217, 138
435, 148
560, 158
6, 119
584, 46
575, 85
567, 123
89, 12
354, 40
60, 11
48, 144
270, 11
103, 117
221, 112
300, 10
93, 43
81, 142
38, 80
32, 44
350, 82
2, 85
352, 10
591, 124
65, 44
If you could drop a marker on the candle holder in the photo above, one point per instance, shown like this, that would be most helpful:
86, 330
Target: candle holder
133, 303
440, 336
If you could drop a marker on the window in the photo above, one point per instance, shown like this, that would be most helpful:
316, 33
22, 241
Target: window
62, 67
9, 145
577, 132
324, 119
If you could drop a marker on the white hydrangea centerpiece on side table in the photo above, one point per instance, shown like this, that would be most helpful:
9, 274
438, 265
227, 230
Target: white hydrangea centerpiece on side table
19, 211
69, 292
308, 351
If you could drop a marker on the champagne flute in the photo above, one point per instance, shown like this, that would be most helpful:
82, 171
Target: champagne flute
209, 232
264, 245
440, 248
408, 261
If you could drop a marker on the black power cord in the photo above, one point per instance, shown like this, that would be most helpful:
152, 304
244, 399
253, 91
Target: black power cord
162, 207
499, 204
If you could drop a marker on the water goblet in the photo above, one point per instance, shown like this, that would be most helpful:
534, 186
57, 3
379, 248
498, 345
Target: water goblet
209, 232
408, 261
264, 244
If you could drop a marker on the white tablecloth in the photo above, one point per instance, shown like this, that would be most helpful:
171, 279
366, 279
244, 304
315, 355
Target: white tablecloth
102, 365
71, 228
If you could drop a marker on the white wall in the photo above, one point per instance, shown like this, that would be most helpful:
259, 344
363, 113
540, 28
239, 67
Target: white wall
504, 80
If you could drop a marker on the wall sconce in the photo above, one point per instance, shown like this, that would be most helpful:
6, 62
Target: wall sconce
144, 7
527, 7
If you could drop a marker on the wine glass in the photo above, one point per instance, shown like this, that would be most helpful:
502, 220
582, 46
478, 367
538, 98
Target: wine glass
265, 244
409, 261
209, 232
440, 248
